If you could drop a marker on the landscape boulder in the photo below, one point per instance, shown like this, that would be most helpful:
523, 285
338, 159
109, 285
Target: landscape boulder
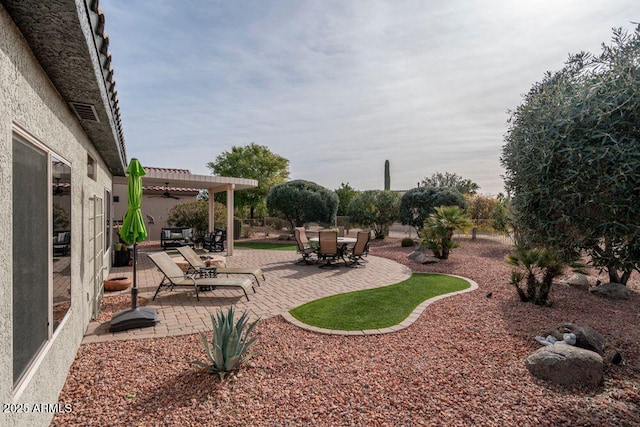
578, 280
615, 291
421, 258
586, 337
566, 364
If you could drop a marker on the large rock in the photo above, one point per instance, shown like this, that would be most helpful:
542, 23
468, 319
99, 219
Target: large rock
421, 258
612, 291
566, 364
586, 337
578, 280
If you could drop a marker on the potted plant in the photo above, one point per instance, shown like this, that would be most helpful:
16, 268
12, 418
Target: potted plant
121, 256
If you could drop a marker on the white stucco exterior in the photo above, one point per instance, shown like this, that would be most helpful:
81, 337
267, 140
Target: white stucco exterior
31, 105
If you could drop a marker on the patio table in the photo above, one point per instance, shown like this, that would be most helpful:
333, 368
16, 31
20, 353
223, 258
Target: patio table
343, 242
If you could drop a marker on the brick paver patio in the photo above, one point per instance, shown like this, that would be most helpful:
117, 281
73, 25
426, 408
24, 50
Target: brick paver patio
287, 285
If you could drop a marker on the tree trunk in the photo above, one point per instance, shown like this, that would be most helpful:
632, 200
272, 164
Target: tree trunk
532, 285
545, 288
613, 275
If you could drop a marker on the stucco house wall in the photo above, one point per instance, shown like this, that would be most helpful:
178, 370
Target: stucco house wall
31, 104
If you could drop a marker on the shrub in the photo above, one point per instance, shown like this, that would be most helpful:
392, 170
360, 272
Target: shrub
407, 242
230, 344
274, 223
537, 268
302, 201
375, 209
196, 215
247, 232
418, 203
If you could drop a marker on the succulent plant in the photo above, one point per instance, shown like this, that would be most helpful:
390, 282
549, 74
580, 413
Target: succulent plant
407, 242
230, 344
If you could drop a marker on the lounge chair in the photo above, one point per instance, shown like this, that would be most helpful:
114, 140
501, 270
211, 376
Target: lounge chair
304, 248
359, 250
328, 248
197, 265
174, 276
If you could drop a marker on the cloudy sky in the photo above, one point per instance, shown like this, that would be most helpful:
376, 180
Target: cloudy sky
339, 86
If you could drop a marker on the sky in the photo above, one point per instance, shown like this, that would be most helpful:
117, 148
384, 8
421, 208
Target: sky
339, 86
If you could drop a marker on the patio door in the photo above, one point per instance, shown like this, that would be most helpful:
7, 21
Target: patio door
96, 246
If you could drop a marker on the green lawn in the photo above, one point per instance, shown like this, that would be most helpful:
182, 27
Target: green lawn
376, 308
266, 245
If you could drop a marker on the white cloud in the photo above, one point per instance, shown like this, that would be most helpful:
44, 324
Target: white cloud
338, 87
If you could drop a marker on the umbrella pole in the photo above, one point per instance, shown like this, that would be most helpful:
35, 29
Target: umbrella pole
134, 288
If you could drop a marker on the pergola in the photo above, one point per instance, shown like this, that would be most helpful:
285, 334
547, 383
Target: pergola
215, 184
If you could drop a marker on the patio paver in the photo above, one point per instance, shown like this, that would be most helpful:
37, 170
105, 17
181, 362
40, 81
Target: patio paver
287, 286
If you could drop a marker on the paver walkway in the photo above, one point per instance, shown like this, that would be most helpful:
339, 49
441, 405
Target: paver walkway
287, 285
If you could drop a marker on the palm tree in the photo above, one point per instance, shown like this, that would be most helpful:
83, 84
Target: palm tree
438, 230
538, 267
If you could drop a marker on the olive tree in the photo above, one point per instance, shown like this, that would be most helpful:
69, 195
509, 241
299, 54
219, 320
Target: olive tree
376, 209
451, 180
302, 201
418, 203
572, 159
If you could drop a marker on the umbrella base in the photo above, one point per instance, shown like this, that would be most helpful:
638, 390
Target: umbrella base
141, 317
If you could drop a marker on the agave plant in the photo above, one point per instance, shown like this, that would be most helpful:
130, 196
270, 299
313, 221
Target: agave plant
230, 344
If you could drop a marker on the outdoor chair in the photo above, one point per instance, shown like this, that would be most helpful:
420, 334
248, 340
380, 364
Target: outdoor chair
328, 248
359, 250
304, 248
61, 242
174, 276
214, 242
198, 266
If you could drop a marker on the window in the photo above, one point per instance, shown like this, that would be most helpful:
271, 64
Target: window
61, 250
91, 167
41, 249
107, 219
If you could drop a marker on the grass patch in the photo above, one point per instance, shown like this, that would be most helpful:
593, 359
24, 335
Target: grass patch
376, 308
266, 245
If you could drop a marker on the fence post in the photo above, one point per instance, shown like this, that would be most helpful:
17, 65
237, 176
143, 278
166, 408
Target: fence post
474, 232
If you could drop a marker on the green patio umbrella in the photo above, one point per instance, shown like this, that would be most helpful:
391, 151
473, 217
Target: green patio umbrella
132, 232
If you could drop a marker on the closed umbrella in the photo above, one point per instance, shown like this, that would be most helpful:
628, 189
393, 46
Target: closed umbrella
132, 232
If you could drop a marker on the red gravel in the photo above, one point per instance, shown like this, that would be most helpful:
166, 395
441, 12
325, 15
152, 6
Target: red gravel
461, 363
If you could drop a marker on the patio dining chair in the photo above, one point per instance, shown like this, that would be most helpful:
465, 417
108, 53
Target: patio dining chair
328, 248
304, 248
359, 250
214, 242
174, 276
198, 266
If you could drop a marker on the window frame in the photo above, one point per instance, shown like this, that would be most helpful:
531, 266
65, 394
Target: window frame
21, 135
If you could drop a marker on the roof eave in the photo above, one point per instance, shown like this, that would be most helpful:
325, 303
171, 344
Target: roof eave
67, 37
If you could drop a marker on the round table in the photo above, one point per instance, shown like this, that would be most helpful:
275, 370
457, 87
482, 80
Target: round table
213, 261
341, 240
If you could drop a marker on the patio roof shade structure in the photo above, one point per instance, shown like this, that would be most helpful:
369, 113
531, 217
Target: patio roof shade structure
215, 184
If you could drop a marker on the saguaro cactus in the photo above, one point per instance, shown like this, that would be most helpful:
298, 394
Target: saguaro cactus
387, 176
